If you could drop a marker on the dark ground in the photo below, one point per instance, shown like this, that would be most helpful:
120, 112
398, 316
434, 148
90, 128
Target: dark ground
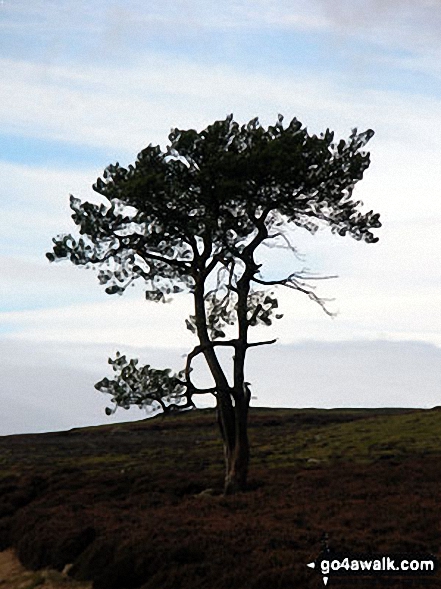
125, 504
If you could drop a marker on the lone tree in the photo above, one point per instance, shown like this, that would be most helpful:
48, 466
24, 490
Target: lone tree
192, 218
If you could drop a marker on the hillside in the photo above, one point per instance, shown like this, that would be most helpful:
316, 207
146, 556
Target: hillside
127, 505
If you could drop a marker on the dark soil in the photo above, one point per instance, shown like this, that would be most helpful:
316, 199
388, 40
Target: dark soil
127, 505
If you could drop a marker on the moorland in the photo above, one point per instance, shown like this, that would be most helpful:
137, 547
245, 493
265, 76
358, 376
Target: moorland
140, 504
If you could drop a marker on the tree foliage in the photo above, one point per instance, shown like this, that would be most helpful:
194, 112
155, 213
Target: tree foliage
190, 218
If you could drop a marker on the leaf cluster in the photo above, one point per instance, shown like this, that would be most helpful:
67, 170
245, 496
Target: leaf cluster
205, 204
210, 187
145, 387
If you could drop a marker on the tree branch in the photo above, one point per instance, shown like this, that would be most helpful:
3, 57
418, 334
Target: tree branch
253, 317
176, 406
170, 261
293, 282
199, 349
210, 267
264, 343
288, 245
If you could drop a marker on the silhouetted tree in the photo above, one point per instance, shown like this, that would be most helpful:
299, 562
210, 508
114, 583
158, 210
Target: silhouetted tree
191, 218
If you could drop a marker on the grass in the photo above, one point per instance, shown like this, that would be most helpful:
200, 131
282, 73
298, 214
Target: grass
363, 440
124, 504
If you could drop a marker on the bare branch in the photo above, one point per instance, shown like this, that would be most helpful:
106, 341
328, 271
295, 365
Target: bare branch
211, 265
316, 299
288, 245
231, 263
295, 281
261, 235
211, 391
264, 343
292, 280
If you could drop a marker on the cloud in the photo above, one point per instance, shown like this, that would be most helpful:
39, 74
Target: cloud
114, 77
34, 206
387, 282
51, 398
33, 283
37, 197
372, 302
118, 32
48, 386
156, 92
347, 374
394, 22
118, 19
126, 321
389, 289
178, 17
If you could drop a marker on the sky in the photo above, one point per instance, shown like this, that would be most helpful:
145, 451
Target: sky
86, 84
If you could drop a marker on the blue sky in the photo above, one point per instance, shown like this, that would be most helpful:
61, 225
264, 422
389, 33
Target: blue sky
85, 84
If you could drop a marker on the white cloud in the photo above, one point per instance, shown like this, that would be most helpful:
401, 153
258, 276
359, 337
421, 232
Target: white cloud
395, 23
390, 288
116, 21
47, 386
34, 187
34, 206
32, 283
347, 374
126, 321
155, 93
371, 304
49, 398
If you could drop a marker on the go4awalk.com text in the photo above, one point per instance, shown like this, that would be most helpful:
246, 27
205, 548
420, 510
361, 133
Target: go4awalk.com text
404, 565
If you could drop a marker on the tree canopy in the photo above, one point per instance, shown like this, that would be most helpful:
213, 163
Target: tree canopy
190, 218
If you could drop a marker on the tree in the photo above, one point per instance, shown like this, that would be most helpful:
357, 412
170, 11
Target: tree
191, 218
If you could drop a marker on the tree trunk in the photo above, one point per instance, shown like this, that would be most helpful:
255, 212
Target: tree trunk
237, 452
